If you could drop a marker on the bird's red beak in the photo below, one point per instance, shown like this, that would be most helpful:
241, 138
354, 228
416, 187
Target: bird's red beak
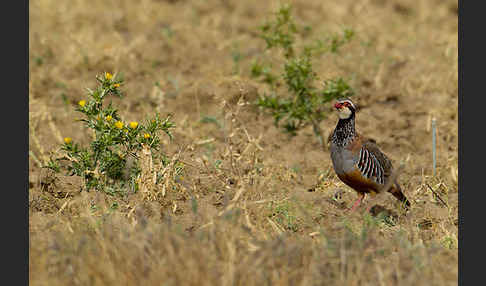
338, 105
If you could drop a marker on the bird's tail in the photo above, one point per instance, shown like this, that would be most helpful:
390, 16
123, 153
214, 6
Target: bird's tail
396, 191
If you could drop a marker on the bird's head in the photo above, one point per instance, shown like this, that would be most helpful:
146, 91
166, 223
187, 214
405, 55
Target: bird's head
345, 107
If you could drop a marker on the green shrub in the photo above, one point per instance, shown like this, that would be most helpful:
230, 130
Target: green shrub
304, 102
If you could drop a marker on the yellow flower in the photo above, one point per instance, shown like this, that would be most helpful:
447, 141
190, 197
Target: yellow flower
108, 76
67, 140
119, 124
146, 136
133, 124
82, 103
116, 85
108, 118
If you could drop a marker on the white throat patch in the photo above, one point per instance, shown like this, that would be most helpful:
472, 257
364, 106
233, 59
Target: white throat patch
344, 113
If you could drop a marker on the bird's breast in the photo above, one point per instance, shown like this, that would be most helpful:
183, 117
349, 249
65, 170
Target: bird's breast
343, 160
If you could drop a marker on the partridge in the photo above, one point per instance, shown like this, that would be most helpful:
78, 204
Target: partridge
358, 161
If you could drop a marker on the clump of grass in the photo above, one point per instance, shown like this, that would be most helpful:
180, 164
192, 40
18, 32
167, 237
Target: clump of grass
283, 214
110, 162
304, 102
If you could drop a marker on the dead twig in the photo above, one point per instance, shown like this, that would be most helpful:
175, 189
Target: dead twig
437, 195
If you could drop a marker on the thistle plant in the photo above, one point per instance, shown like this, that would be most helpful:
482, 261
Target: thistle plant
304, 102
104, 162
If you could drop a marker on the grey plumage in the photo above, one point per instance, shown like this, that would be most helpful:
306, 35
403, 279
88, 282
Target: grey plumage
358, 161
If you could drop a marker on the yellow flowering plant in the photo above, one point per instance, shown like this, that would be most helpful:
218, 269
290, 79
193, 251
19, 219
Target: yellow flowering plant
119, 125
133, 124
104, 161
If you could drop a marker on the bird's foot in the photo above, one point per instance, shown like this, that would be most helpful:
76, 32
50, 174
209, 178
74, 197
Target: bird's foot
357, 203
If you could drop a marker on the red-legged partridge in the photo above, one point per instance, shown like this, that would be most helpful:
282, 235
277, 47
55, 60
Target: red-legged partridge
358, 161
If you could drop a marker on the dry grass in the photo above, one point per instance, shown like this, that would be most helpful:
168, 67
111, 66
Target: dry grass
243, 213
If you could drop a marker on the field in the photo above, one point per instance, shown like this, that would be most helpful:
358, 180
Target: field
254, 206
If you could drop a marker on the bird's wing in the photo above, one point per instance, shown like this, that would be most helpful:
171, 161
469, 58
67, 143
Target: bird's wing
383, 160
372, 163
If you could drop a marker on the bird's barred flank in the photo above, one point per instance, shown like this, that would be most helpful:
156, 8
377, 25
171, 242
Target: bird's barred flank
369, 166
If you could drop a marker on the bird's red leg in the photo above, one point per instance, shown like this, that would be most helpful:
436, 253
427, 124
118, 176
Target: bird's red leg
358, 201
368, 208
